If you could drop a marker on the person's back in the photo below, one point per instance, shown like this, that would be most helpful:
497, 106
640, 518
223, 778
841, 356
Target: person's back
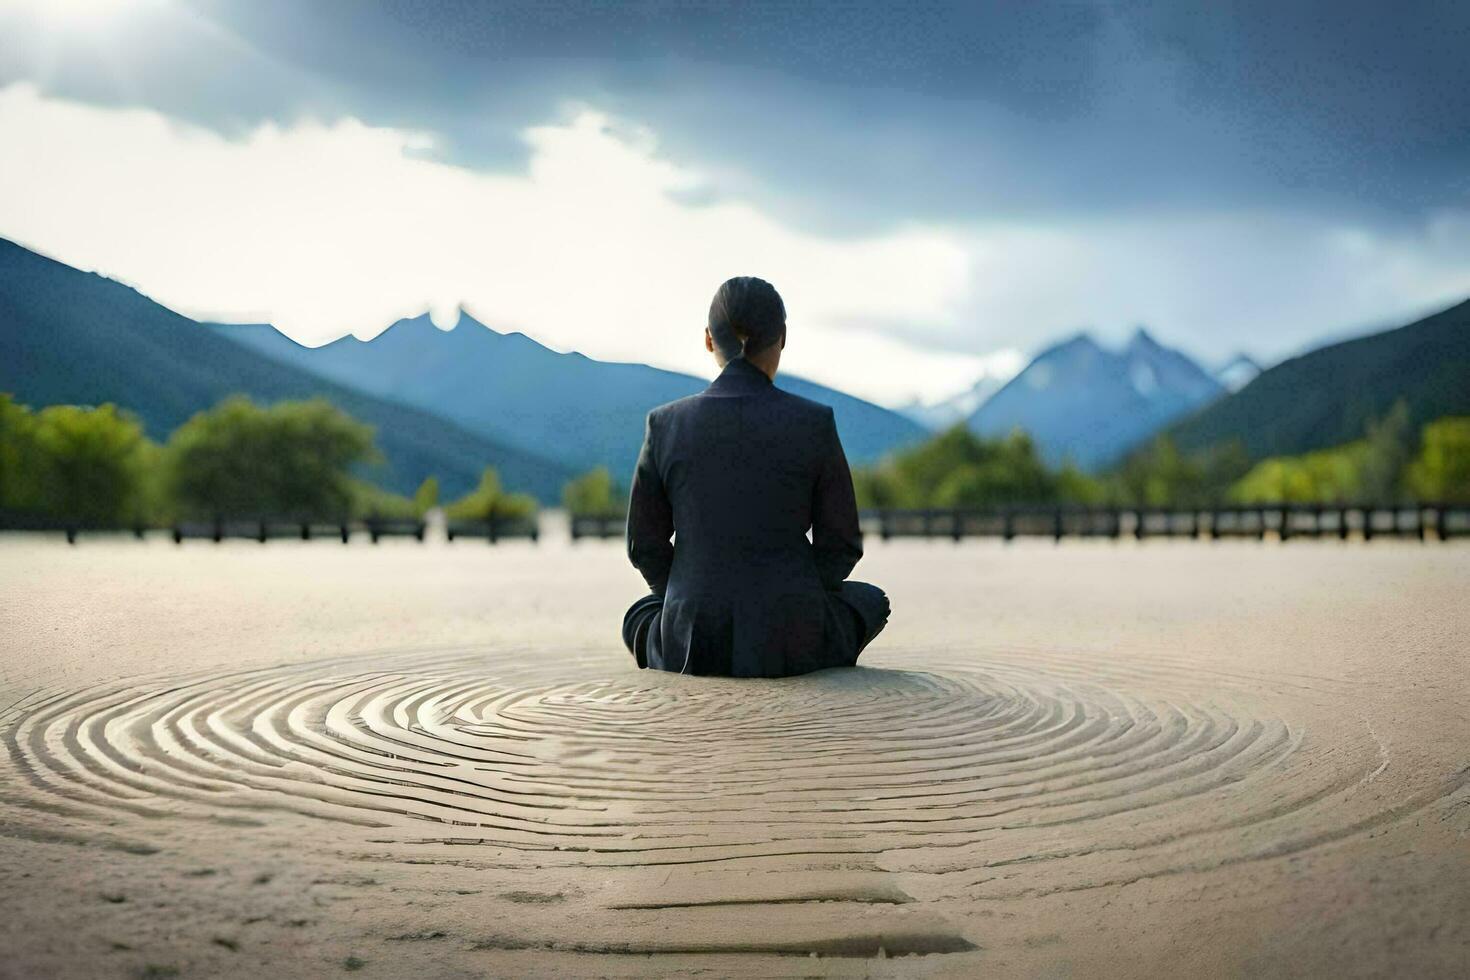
737, 474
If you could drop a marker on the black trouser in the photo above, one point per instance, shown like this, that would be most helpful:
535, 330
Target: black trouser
867, 605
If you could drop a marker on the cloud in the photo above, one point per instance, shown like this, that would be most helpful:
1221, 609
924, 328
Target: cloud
604, 244
325, 229
1214, 282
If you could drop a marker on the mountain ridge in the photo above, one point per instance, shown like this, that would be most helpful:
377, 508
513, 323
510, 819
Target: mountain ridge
1083, 402
495, 383
1326, 397
73, 336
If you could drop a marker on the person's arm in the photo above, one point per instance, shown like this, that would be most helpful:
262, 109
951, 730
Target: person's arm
650, 518
837, 542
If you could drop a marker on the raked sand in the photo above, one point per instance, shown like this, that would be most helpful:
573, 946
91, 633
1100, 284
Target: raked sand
1089, 760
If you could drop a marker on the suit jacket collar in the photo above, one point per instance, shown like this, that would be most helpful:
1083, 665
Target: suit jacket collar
739, 377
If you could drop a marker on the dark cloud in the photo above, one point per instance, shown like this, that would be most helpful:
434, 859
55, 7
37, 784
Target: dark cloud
853, 115
1184, 120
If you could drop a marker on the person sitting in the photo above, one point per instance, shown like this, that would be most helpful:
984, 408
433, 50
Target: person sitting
727, 485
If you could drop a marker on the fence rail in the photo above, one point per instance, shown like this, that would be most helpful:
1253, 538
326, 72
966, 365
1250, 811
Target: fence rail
496, 529
1283, 521
279, 528
598, 526
1426, 521
258, 530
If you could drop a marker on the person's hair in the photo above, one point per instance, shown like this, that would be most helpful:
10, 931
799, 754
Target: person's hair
746, 317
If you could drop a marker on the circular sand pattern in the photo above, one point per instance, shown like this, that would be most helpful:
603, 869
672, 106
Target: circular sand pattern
961, 778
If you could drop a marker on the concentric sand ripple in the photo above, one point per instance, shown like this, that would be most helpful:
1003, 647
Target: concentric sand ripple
959, 780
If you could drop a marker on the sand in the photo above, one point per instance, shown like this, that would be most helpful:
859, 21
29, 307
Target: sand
1093, 759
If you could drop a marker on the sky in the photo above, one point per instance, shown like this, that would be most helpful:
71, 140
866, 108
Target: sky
937, 190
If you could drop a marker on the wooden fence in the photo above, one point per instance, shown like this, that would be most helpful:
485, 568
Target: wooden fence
598, 526
276, 529
259, 530
496, 529
1431, 521
1282, 521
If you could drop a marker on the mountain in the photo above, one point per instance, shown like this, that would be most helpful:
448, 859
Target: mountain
955, 409
1083, 402
1326, 397
68, 336
509, 388
1237, 372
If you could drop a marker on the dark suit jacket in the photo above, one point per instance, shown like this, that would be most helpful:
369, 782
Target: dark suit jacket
738, 473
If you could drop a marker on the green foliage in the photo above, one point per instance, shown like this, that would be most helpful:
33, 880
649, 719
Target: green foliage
156, 505
1390, 442
371, 500
1441, 471
489, 500
426, 497
19, 457
1325, 476
594, 492
1076, 487
74, 463
957, 468
1372, 469
290, 459
1160, 475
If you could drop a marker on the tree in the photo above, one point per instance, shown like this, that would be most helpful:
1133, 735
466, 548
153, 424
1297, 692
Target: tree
89, 464
291, 459
19, 458
426, 497
489, 501
594, 492
1441, 471
371, 500
1370, 470
1390, 444
1161, 476
958, 468
1076, 487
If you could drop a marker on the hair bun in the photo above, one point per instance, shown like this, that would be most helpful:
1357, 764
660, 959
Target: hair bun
746, 316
